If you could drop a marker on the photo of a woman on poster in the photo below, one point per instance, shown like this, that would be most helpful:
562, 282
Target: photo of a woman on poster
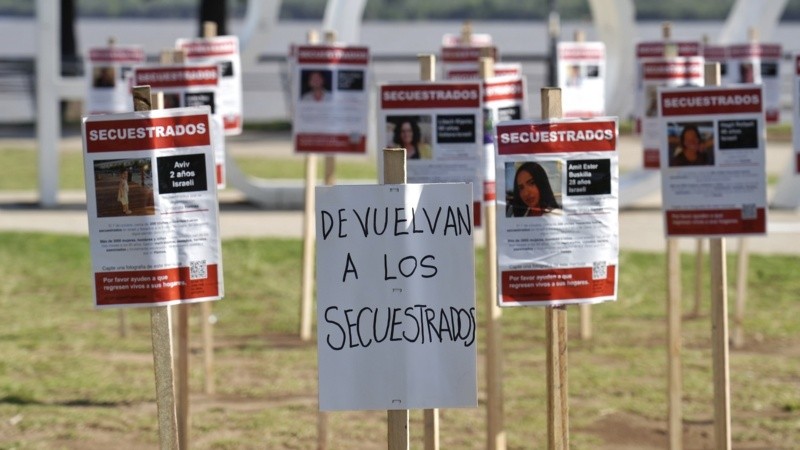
532, 195
316, 85
407, 133
692, 147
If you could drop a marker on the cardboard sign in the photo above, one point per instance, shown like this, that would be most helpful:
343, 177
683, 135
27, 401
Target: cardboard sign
331, 110
504, 98
582, 78
108, 72
222, 51
713, 175
441, 127
672, 72
152, 205
557, 216
187, 85
756, 63
396, 314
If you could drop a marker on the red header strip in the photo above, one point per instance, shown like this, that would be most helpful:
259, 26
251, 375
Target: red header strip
772, 51
431, 95
671, 69
114, 54
326, 54
465, 54
218, 46
162, 286
556, 137
714, 222
693, 101
494, 90
147, 133
164, 77
657, 49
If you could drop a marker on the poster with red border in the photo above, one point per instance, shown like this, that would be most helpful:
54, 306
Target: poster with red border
796, 113
331, 104
649, 50
671, 72
396, 320
187, 85
504, 99
224, 52
558, 212
713, 174
759, 63
108, 74
441, 126
151, 202
582, 78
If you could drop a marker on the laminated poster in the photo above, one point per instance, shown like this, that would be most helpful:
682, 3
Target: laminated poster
557, 212
152, 206
713, 174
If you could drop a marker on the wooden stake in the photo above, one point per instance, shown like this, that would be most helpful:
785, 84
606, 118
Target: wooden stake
161, 334
183, 375
719, 320
206, 321
741, 294
698, 277
427, 67
330, 161
556, 331
496, 435
394, 172
674, 345
307, 300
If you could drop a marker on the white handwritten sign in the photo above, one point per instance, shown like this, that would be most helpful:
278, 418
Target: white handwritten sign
396, 297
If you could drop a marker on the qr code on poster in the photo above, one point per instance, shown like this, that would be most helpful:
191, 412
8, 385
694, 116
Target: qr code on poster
749, 211
198, 270
599, 271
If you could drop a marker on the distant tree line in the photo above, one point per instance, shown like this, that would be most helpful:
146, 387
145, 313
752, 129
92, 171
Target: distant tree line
406, 10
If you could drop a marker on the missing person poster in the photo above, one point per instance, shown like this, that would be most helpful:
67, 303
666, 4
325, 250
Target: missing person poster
396, 320
713, 175
152, 206
441, 126
673, 72
187, 85
582, 78
557, 214
222, 51
796, 113
757, 63
108, 72
332, 104
504, 98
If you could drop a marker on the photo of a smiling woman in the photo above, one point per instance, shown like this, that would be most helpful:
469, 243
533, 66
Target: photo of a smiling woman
532, 194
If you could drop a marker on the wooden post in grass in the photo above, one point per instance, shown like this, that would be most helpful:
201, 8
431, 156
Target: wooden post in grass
584, 309
330, 160
556, 332
698, 277
427, 72
394, 172
307, 283
741, 294
161, 332
674, 345
206, 320
719, 321
496, 435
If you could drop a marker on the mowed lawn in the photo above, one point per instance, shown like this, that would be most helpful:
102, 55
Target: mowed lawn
68, 380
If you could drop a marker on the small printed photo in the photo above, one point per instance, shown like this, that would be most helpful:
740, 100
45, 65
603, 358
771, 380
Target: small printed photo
412, 133
690, 143
316, 85
172, 100
592, 71
533, 189
574, 77
104, 77
226, 69
124, 187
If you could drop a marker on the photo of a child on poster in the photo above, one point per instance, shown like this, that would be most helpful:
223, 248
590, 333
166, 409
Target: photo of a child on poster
124, 187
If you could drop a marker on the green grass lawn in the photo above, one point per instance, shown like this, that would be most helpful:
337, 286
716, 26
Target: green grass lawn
68, 380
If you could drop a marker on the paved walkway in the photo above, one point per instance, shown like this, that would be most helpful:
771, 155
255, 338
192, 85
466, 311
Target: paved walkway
641, 223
